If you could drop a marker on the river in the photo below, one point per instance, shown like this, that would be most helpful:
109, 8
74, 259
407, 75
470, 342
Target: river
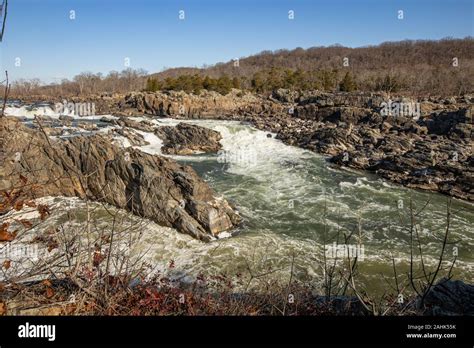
295, 206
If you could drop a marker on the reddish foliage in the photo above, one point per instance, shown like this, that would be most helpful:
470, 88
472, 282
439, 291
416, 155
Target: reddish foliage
44, 211
6, 236
18, 205
26, 223
98, 258
7, 264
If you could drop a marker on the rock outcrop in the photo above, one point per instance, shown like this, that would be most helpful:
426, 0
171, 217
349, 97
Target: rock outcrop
135, 139
182, 139
449, 297
144, 126
205, 105
432, 151
185, 139
93, 168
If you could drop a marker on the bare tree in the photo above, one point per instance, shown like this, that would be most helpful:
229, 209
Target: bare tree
3, 15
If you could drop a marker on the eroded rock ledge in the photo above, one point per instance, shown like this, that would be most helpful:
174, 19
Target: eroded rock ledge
92, 167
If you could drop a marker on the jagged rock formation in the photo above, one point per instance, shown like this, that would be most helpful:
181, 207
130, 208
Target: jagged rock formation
135, 139
182, 139
205, 105
178, 104
185, 139
92, 167
399, 150
431, 151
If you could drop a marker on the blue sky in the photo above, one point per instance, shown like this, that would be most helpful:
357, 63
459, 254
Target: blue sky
149, 32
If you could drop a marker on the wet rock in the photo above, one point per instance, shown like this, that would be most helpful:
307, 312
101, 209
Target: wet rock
135, 139
66, 118
89, 126
398, 148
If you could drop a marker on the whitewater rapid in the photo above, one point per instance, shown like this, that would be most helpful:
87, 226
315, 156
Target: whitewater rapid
293, 203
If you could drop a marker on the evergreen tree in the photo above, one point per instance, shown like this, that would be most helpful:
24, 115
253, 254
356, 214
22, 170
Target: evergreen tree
257, 82
236, 83
224, 85
348, 83
152, 85
389, 84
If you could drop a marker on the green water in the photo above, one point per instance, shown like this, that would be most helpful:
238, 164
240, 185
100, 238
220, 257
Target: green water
293, 206
293, 202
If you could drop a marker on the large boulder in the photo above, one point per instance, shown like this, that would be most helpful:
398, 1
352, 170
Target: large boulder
454, 124
285, 95
93, 168
185, 139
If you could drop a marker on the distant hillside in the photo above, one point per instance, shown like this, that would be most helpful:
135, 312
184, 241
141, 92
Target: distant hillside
417, 66
389, 55
444, 67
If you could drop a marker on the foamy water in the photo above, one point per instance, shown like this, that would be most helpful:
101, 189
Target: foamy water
293, 202
29, 112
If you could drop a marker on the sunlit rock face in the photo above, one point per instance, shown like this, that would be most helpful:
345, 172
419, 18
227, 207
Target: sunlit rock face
93, 168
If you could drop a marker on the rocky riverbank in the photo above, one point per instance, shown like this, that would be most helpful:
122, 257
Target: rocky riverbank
419, 143
93, 168
130, 177
423, 143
